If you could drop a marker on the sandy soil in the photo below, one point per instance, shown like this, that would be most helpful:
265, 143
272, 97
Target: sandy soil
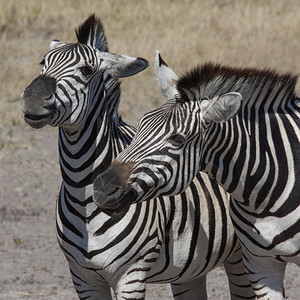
32, 265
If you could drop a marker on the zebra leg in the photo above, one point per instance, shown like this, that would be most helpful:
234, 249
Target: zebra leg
130, 288
266, 276
136, 291
88, 285
239, 284
194, 289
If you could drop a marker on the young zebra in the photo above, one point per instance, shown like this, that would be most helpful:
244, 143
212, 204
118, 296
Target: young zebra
176, 240
250, 146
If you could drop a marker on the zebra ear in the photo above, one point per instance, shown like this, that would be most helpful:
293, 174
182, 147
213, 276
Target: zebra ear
119, 65
166, 77
222, 108
56, 44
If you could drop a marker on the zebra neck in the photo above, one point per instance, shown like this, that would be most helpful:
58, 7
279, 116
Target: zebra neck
247, 161
88, 152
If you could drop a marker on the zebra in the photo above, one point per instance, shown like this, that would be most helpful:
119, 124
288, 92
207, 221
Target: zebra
78, 91
241, 127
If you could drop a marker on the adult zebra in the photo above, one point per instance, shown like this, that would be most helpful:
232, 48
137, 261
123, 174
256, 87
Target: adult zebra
254, 156
150, 242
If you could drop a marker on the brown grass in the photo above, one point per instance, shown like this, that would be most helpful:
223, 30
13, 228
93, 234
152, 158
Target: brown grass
260, 33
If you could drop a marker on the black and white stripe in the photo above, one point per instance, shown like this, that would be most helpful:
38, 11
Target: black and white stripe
168, 240
254, 155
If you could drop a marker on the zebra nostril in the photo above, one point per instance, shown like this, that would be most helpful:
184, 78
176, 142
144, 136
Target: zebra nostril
49, 98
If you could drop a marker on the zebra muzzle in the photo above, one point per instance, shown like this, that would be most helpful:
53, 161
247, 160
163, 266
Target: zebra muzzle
110, 187
38, 101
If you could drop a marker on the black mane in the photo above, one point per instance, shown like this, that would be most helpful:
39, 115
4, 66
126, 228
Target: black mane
91, 32
213, 78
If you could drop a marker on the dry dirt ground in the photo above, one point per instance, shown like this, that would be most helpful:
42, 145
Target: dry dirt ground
31, 263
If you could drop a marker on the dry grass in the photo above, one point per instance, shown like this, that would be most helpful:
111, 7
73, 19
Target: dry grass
260, 33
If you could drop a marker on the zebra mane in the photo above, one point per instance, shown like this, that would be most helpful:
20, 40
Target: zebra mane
91, 32
211, 79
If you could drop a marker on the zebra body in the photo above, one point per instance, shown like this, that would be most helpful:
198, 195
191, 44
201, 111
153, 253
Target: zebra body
240, 126
176, 239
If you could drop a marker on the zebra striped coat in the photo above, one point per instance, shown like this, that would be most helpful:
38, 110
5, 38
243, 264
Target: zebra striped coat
176, 239
250, 146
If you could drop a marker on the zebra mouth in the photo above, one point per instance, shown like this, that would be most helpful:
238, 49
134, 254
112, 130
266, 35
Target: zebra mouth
38, 121
116, 200
129, 196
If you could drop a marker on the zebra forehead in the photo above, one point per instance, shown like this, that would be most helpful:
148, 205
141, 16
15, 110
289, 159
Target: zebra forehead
85, 51
208, 79
167, 110
169, 115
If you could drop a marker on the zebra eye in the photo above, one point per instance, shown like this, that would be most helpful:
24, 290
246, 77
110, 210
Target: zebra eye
42, 62
176, 139
86, 70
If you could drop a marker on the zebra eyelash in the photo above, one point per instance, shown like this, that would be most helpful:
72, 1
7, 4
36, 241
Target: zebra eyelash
86, 70
176, 139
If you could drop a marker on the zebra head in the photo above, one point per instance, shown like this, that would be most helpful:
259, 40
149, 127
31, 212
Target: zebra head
163, 157
72, 77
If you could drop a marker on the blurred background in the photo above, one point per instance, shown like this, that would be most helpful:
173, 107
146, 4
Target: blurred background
257, 33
